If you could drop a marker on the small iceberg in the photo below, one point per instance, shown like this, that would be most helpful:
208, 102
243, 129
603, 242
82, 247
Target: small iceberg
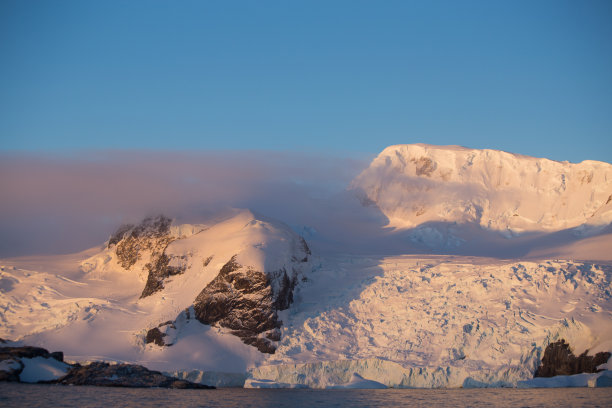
42, 369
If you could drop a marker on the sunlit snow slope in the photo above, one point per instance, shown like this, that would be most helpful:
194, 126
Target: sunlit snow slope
510, 193
102, 304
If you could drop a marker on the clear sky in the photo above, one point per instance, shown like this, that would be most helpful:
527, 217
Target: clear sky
532, 77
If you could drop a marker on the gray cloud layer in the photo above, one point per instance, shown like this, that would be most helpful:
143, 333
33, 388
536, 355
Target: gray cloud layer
62, 204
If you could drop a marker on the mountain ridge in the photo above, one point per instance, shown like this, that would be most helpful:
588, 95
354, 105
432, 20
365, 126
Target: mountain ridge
499, 191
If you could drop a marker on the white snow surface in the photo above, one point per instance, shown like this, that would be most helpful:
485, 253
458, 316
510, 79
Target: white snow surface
510, 193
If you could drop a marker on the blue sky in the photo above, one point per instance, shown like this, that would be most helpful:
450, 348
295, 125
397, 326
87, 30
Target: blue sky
346, 77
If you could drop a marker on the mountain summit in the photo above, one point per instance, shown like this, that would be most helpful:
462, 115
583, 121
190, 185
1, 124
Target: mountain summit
499, 191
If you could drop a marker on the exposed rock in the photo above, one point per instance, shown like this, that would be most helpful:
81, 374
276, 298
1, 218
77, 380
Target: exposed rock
284, 298
122, 375
424, 166
305, 249
100, 374
150, 227
58, 355
560, 360
155, 336
147, 240
7, 353
159, 271
246, 301
207, 261
159, 337
151, 235
119, 234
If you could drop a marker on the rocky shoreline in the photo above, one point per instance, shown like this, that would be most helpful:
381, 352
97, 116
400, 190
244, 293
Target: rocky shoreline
27, 364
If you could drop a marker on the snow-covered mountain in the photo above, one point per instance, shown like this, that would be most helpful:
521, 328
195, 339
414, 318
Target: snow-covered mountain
510, 193
242, 298
262, 262
156, 290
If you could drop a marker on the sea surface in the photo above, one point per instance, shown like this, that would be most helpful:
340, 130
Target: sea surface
34, 395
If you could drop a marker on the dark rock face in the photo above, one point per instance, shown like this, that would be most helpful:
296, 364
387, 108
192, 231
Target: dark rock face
156, 336
149, 239
100, 374
159, 271
122, 375
246, 301
284, 297
152, 234
28, 352
305, 249
559, 360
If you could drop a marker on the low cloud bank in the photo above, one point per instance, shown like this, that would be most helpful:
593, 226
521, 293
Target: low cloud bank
63, 204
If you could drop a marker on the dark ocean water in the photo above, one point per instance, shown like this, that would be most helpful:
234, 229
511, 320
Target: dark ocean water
24, 395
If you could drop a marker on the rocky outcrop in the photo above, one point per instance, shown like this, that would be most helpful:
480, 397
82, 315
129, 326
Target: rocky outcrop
560, 360
305, 249
246, 301
123, 375
156, 336
97, 373
159, 270
147, 240
28, 352
132, 241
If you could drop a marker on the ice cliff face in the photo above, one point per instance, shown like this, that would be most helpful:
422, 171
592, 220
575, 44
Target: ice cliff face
510, 193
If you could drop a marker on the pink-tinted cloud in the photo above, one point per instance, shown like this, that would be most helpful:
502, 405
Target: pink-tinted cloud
59, 204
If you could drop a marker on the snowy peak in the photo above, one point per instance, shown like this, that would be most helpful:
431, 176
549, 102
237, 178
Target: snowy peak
234, 273
415, 184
